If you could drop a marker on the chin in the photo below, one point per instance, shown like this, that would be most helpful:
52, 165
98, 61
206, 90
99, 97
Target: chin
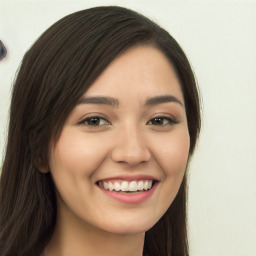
130, 228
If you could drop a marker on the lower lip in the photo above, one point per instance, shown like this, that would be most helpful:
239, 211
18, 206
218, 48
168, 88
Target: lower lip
128, 198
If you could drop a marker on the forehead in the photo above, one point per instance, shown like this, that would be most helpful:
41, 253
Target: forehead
140, 72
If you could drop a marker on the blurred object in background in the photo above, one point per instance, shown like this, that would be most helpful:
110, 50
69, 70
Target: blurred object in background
3, 50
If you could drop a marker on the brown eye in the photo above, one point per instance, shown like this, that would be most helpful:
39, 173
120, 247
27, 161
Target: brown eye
162, 121
95, 121
157, 121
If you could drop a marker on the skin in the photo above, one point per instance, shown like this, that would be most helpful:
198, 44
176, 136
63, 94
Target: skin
127, 141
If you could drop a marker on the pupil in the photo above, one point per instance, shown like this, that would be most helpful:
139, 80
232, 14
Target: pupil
94, 121
158, 121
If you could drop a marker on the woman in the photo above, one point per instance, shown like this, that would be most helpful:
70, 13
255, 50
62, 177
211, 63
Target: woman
104, 119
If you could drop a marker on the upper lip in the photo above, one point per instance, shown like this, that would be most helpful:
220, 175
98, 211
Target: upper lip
130, 178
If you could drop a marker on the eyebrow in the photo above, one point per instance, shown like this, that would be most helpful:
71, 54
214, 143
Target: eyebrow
162, 99
110, 101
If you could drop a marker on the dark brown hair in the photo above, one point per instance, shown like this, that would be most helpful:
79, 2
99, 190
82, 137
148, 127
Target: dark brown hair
57, 70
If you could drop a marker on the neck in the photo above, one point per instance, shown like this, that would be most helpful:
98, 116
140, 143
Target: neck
84, 239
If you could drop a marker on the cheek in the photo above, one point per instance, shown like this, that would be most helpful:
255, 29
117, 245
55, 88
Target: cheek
173, 155
172, 158
77, 153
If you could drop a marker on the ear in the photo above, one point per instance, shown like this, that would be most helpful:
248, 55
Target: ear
40, 166
38, 161
43, 170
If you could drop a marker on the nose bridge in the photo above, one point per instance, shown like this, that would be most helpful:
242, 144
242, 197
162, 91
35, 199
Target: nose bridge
131, 145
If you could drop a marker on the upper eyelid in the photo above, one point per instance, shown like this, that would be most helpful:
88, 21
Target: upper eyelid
165, 115
102, 111
95, 115
92, 115
171, 119
83, 120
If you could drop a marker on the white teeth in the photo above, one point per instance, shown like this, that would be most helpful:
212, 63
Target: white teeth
146, 185
117, 186
140, 185
126, 186
105, 184
110, 186
133, 186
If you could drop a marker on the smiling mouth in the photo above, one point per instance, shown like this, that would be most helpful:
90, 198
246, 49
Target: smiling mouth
123, 186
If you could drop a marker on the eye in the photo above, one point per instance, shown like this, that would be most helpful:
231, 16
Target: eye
162, 121
94, 121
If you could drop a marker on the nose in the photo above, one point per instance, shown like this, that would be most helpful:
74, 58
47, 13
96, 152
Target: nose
130, 147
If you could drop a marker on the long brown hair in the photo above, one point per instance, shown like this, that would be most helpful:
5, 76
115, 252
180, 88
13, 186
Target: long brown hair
54, 74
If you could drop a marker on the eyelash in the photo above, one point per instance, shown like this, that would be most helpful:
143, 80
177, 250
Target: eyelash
171, 121
98, 119
86, 120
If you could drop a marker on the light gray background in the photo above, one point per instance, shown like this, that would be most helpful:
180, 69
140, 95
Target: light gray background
220, 41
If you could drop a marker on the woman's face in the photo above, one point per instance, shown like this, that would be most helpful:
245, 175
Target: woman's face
123, 150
